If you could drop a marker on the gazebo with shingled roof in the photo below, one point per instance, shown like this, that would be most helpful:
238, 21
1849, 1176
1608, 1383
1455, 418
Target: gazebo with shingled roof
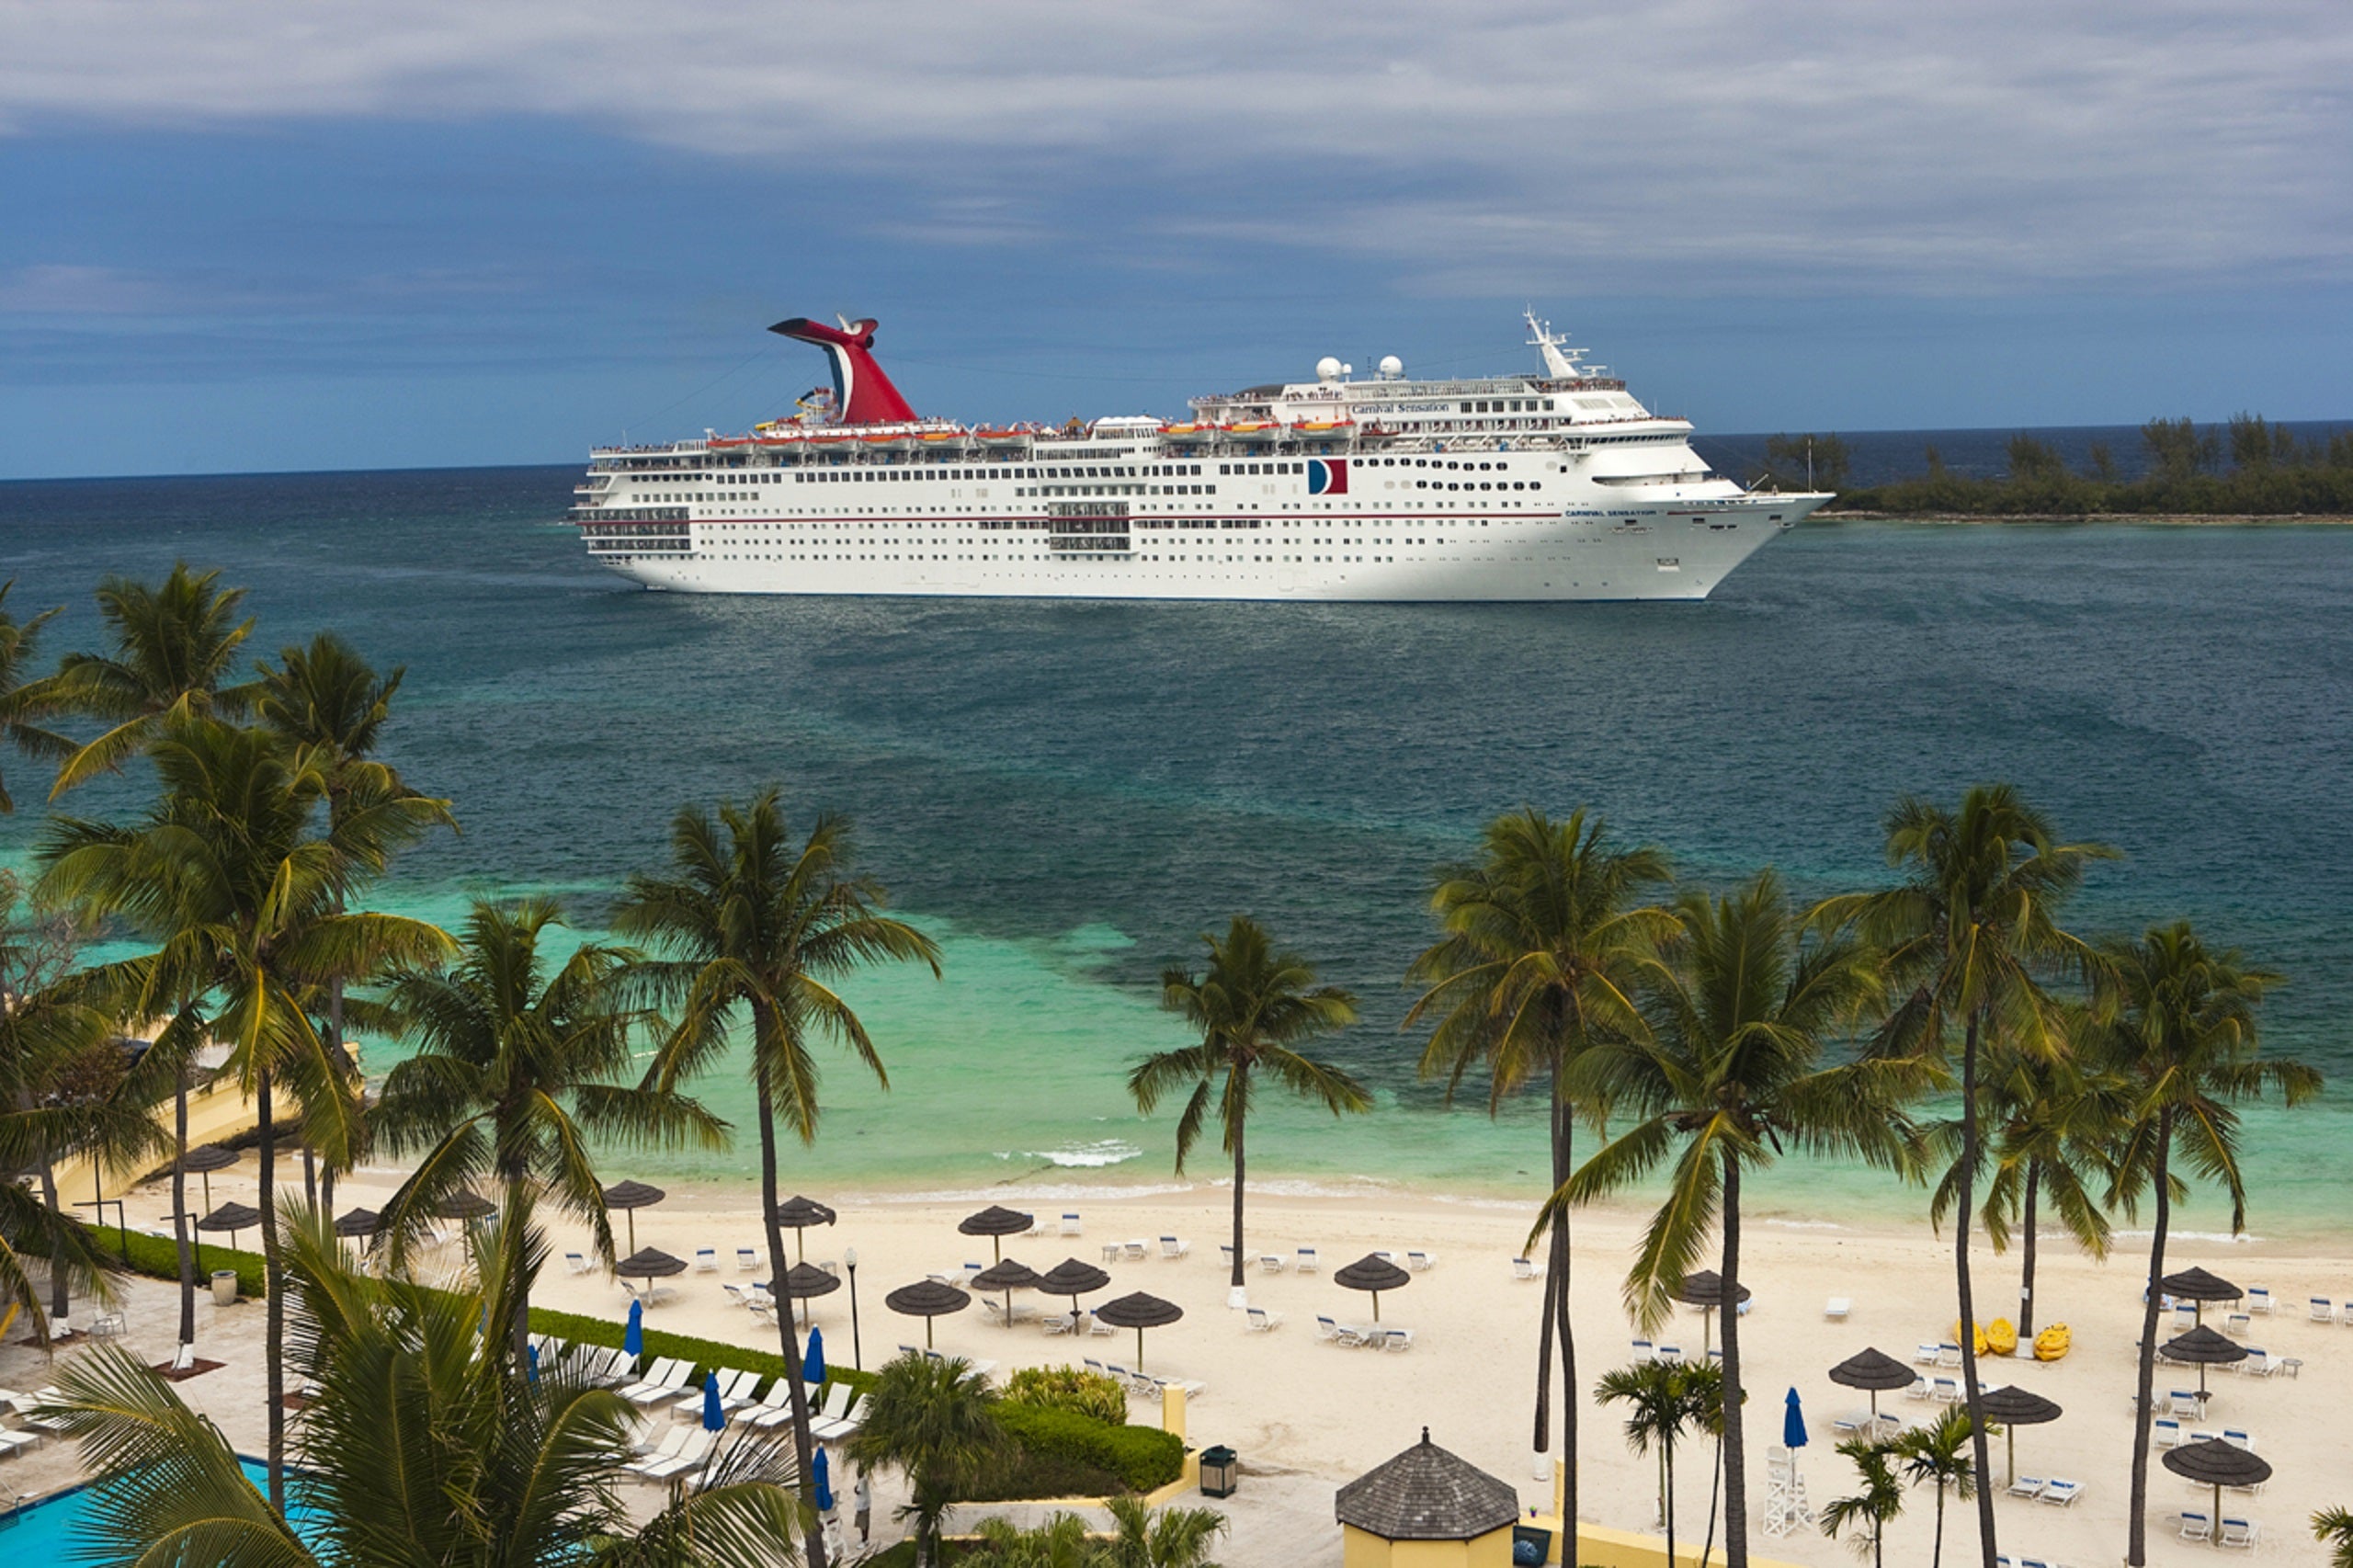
1426, 1508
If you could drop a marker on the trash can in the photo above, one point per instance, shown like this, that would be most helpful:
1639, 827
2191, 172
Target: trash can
224, 1286
1530, 1546
1220, 1468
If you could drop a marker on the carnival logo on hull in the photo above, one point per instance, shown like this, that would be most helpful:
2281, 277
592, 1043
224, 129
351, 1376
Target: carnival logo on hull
1327, 476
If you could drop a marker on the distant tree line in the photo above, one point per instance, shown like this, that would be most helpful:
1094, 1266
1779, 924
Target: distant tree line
2252, 468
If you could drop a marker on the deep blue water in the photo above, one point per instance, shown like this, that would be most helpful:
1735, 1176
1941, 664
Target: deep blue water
1095, 783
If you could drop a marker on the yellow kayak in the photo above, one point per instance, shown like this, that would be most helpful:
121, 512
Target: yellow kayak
2052, 1343
2001, 1336
1978, 1333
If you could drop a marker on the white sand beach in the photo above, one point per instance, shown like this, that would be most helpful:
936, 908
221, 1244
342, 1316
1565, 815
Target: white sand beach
1306, 1416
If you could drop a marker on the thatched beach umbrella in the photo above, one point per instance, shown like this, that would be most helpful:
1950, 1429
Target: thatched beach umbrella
2014, 1407
652, 1262
202, 1162
232, 1217
927, 1298
1374, 1273
1073, 1278
1705, 1291
1868, 1369
796, 1215
2218, 1464
466, 1206
2198, 1287
1139, 1311
804, 1282
1008, 1275
996, 1223
358, 1223
628, 1197
2203, 1347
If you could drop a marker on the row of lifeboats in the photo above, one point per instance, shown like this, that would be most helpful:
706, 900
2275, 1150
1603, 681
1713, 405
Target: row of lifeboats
834, 438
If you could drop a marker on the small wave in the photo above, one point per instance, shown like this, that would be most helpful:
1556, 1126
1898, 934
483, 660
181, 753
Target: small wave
1079, 1156
1805, 1224
2172, 1235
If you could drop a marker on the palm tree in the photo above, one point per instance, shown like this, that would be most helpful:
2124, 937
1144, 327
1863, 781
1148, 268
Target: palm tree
1876, 1506
1740, 1001
1939, 1454
517, 1069
420, 1444
2180, 1026
1966, 935
751, 925
239, 883
2332, 1528
1163, 1538
1667, 1399
1253, 1007
327, 696
2051, 1121
936, 1422
23, 702
1542, 936
174, 645
1060, 1542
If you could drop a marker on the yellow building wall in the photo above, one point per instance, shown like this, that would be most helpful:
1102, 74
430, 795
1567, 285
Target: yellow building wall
1362, 1548
1601, 1547
215, 1114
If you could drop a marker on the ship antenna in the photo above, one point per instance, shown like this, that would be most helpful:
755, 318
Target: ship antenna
1561, 367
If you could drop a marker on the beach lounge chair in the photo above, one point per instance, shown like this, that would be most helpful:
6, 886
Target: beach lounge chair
1172, 1249
830, 1418
1421, 1262
1306, 1263
2184, 1319
1524, 1269
1400, 1340
1069, 1225
746, 1259
2028, 1486
2347, 1317
1644, 1350
2259, 1364
2198, 1437
1389, 1257
1098, 1329
1258, 1320
2238, 1325
2187, 1402
670, 1445
1670, 1353
1948, 1355
666, 1382
2322, 1310
2238, 1439
612, 1369
2195, 1527
1335, 1333
1121, 1376
1055, 1323
693, 1455
1837, 1307
2166, 1432
1921, 1389
1925, 1355
1225, 1254
2241, 1532
706, 1260
2062, 1492
1137, 1251
1270, 1263
17, 1442
774, 1410
735, 1295
2259, 1299
1945, 1390
734, 1393
577, 1262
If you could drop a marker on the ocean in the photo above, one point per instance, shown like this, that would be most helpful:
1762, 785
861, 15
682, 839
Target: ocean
1067, 793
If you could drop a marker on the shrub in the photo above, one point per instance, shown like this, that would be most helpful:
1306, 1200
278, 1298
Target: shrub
1138, 1458
159, 1259
1069, 1388
706, 1354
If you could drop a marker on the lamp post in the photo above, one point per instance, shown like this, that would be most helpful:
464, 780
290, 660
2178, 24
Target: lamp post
857, 1361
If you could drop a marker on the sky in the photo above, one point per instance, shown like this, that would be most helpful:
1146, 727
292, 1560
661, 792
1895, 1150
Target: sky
239, 237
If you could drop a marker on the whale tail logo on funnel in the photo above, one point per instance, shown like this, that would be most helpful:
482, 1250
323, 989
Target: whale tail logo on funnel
862, 393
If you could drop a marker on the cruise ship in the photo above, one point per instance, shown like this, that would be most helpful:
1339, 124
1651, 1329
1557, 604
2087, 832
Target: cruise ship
1553, 485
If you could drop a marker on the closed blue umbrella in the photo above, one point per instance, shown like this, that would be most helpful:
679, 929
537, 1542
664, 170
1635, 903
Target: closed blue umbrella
812, 1366
635, 1340
818, 1470
1793, 1423
535, 1363
714, 1418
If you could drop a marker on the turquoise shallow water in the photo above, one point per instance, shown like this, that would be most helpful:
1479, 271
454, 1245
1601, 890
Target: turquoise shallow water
1066, 793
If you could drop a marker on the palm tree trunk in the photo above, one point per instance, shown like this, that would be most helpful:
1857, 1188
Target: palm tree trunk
2137, 1548
60, 1303
518, 1331
273, 1344
1968, 1335
1735, 1442
1938, 1560
1238, 1172
1563, 1150
180, 1235
788, 1333
1543, 1444
2025, 1270
1667, 1509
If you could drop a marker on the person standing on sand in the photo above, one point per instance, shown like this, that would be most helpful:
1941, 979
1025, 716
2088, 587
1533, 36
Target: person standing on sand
862, 1496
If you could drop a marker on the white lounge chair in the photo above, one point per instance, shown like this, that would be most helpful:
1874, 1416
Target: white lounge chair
1173, 1249
1099, 1329
694, 1455
1057, 1323
1270, 1263
837, 1419
2028, 1486
2258, 1299
663, 1384
1945, 1390
2238, 1439
1329, 1331
1399, 1340
1258, 1320
2346, 1317
1306, 1262
775, 1409
2187, 1402
1525, 1268
1948, 1355
1069, 1225
1225, 1254
706, 1260
2166, 1432
1137, 1251
2242, 1533
1645, 1351
1670, 1353
1920, 1388
2184, 1319
2322, 1310
669, 1446
736, 1296
746, 1259
2238, 1325
2195, 1527
577, 1262
2062, 1492
1925, 1355
17, 1442
1837, 1307
1421, 1262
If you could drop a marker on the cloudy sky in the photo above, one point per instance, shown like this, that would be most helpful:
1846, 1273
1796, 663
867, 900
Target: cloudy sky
240, 235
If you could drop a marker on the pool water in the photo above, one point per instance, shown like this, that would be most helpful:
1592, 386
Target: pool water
45, 1531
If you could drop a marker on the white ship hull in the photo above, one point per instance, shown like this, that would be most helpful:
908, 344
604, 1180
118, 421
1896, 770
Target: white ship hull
1558, 487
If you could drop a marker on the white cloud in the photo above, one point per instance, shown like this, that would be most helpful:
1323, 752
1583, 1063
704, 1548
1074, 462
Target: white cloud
1691, 144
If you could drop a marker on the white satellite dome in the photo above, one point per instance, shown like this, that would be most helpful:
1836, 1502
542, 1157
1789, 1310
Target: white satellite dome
1328, 369
1392, 366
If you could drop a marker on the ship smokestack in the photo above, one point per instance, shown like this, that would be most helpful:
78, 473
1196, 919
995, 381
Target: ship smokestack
862, 393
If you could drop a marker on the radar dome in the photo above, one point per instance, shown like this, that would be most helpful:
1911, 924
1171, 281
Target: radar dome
1328, 369
1392, 366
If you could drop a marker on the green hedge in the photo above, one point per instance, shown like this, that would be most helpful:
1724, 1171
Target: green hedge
1068, 1388
159, 1257
1139, 1458
706, 1354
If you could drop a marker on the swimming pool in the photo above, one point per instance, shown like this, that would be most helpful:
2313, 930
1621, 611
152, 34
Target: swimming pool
45, 1530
